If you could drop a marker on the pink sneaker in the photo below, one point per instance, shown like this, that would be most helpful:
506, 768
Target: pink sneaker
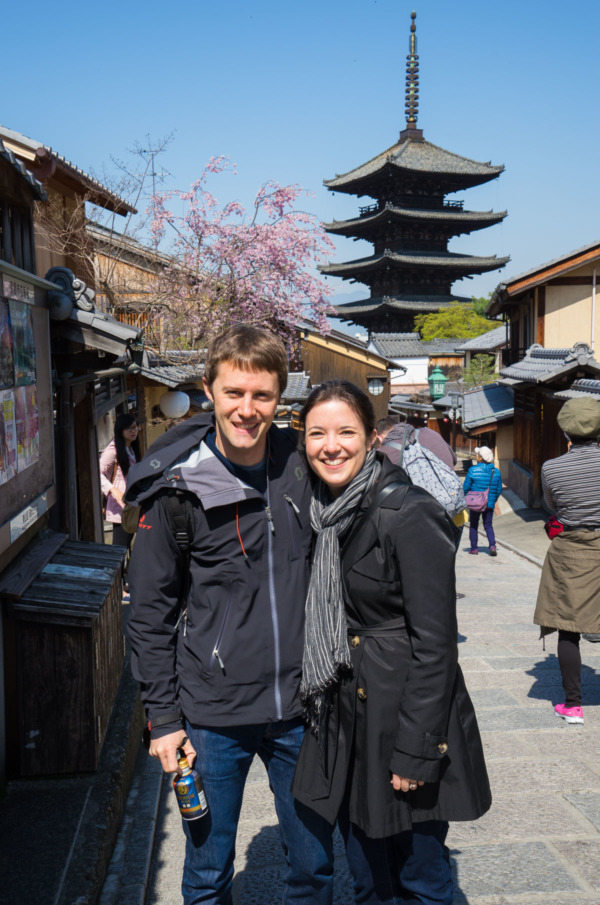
569, 714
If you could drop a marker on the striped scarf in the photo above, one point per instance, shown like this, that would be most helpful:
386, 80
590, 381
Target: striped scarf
326, 651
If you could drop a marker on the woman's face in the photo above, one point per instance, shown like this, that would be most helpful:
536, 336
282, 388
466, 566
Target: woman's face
130, 433
336, 443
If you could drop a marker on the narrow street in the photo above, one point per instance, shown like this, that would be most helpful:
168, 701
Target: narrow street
540, 842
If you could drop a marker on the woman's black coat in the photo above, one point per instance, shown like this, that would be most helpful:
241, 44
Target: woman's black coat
404, 709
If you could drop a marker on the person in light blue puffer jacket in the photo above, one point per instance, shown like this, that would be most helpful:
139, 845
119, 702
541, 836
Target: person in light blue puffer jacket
481, 477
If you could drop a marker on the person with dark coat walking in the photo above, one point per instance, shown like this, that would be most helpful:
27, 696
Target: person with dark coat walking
395, 751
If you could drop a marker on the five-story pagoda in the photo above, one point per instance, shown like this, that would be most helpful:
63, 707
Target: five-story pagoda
411, 270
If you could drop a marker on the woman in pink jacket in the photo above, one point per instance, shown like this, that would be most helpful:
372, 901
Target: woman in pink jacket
115, 462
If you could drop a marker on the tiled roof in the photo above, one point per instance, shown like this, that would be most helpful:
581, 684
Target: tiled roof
541, 365
175, 368
487, 405
297, 387
536, 275
487, 342
418, 156
585, 387
119, 204
440, 260
37, 187
408, 345
420, 303
172, 375
404, 404
448, 215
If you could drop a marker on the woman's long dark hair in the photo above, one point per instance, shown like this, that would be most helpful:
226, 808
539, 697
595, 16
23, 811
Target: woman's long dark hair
346, 392
123, 422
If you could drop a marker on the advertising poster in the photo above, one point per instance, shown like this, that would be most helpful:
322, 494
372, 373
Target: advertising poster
26, 420
7, 366
8, 437
23, 343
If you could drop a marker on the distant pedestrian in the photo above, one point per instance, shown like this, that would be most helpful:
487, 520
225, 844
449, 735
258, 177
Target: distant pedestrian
384, 426
410, 448
119, 455
481, 477
569, 594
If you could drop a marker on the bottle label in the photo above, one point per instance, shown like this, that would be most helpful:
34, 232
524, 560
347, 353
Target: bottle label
192, 801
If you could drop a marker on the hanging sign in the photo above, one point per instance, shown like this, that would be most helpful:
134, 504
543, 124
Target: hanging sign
17, 289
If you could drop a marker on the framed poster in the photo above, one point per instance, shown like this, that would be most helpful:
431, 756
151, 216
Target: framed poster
23, 340
7, 366
26, 423
8, 436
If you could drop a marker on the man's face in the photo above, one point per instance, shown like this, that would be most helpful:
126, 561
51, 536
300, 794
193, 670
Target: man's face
245, 404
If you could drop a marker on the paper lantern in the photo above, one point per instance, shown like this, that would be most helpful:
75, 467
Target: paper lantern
174, 404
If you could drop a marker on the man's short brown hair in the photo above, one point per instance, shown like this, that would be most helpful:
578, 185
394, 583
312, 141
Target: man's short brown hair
249, 349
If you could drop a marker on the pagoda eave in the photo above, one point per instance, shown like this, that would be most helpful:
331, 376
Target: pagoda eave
456, 221
415, 303
458, 265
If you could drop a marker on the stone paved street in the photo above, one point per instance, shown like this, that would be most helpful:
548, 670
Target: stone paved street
540, 843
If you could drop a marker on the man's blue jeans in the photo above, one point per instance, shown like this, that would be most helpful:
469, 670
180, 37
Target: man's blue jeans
405, 869
223, 759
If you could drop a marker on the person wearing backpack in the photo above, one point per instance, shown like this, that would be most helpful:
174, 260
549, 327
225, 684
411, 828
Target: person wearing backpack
482, 478
217, 612
429, 463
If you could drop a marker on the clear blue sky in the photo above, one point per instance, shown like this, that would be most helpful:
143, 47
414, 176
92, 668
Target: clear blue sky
297, 92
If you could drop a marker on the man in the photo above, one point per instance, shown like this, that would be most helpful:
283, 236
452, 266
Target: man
220, 678
384, 426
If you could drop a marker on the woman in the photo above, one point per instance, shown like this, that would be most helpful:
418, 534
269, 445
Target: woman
121, 453
569, 595
394, 752
483, 476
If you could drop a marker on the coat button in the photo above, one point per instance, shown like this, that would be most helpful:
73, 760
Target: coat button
355, 641
362, 694
442, 748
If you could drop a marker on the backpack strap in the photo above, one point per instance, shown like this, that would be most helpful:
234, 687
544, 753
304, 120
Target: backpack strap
180, 518
401, 446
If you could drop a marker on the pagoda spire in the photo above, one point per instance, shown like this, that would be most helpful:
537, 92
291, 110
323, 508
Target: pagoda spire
411, 98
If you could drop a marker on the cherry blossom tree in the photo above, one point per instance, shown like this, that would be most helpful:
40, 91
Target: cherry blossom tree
231, 265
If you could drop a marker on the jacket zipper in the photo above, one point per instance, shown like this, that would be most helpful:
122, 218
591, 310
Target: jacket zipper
273, 601
215, 653
291, 506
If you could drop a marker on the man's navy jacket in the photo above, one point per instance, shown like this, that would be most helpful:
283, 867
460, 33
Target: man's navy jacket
235, 658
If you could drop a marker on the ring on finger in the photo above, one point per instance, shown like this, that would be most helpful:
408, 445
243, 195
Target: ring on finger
412, 786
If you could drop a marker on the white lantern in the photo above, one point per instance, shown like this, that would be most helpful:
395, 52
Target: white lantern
174, 404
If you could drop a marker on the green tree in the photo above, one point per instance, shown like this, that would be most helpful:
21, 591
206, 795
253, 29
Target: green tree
481, 370
480, 304
457, 321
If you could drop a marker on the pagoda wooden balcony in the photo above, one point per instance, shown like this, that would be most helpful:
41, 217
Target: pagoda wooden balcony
413, 204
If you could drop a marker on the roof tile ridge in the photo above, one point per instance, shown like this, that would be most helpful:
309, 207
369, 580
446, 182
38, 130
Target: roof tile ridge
383, 154
481, 163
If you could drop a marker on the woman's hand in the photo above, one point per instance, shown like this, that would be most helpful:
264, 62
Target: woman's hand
118, 495
402, 784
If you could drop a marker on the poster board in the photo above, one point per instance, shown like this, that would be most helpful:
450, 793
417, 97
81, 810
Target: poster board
26, 411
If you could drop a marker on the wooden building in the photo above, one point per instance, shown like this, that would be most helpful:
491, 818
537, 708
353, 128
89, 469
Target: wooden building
553, 304
538, 380
337, 355
61, 650
410, 223
60, 235
126, 273
415, 359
